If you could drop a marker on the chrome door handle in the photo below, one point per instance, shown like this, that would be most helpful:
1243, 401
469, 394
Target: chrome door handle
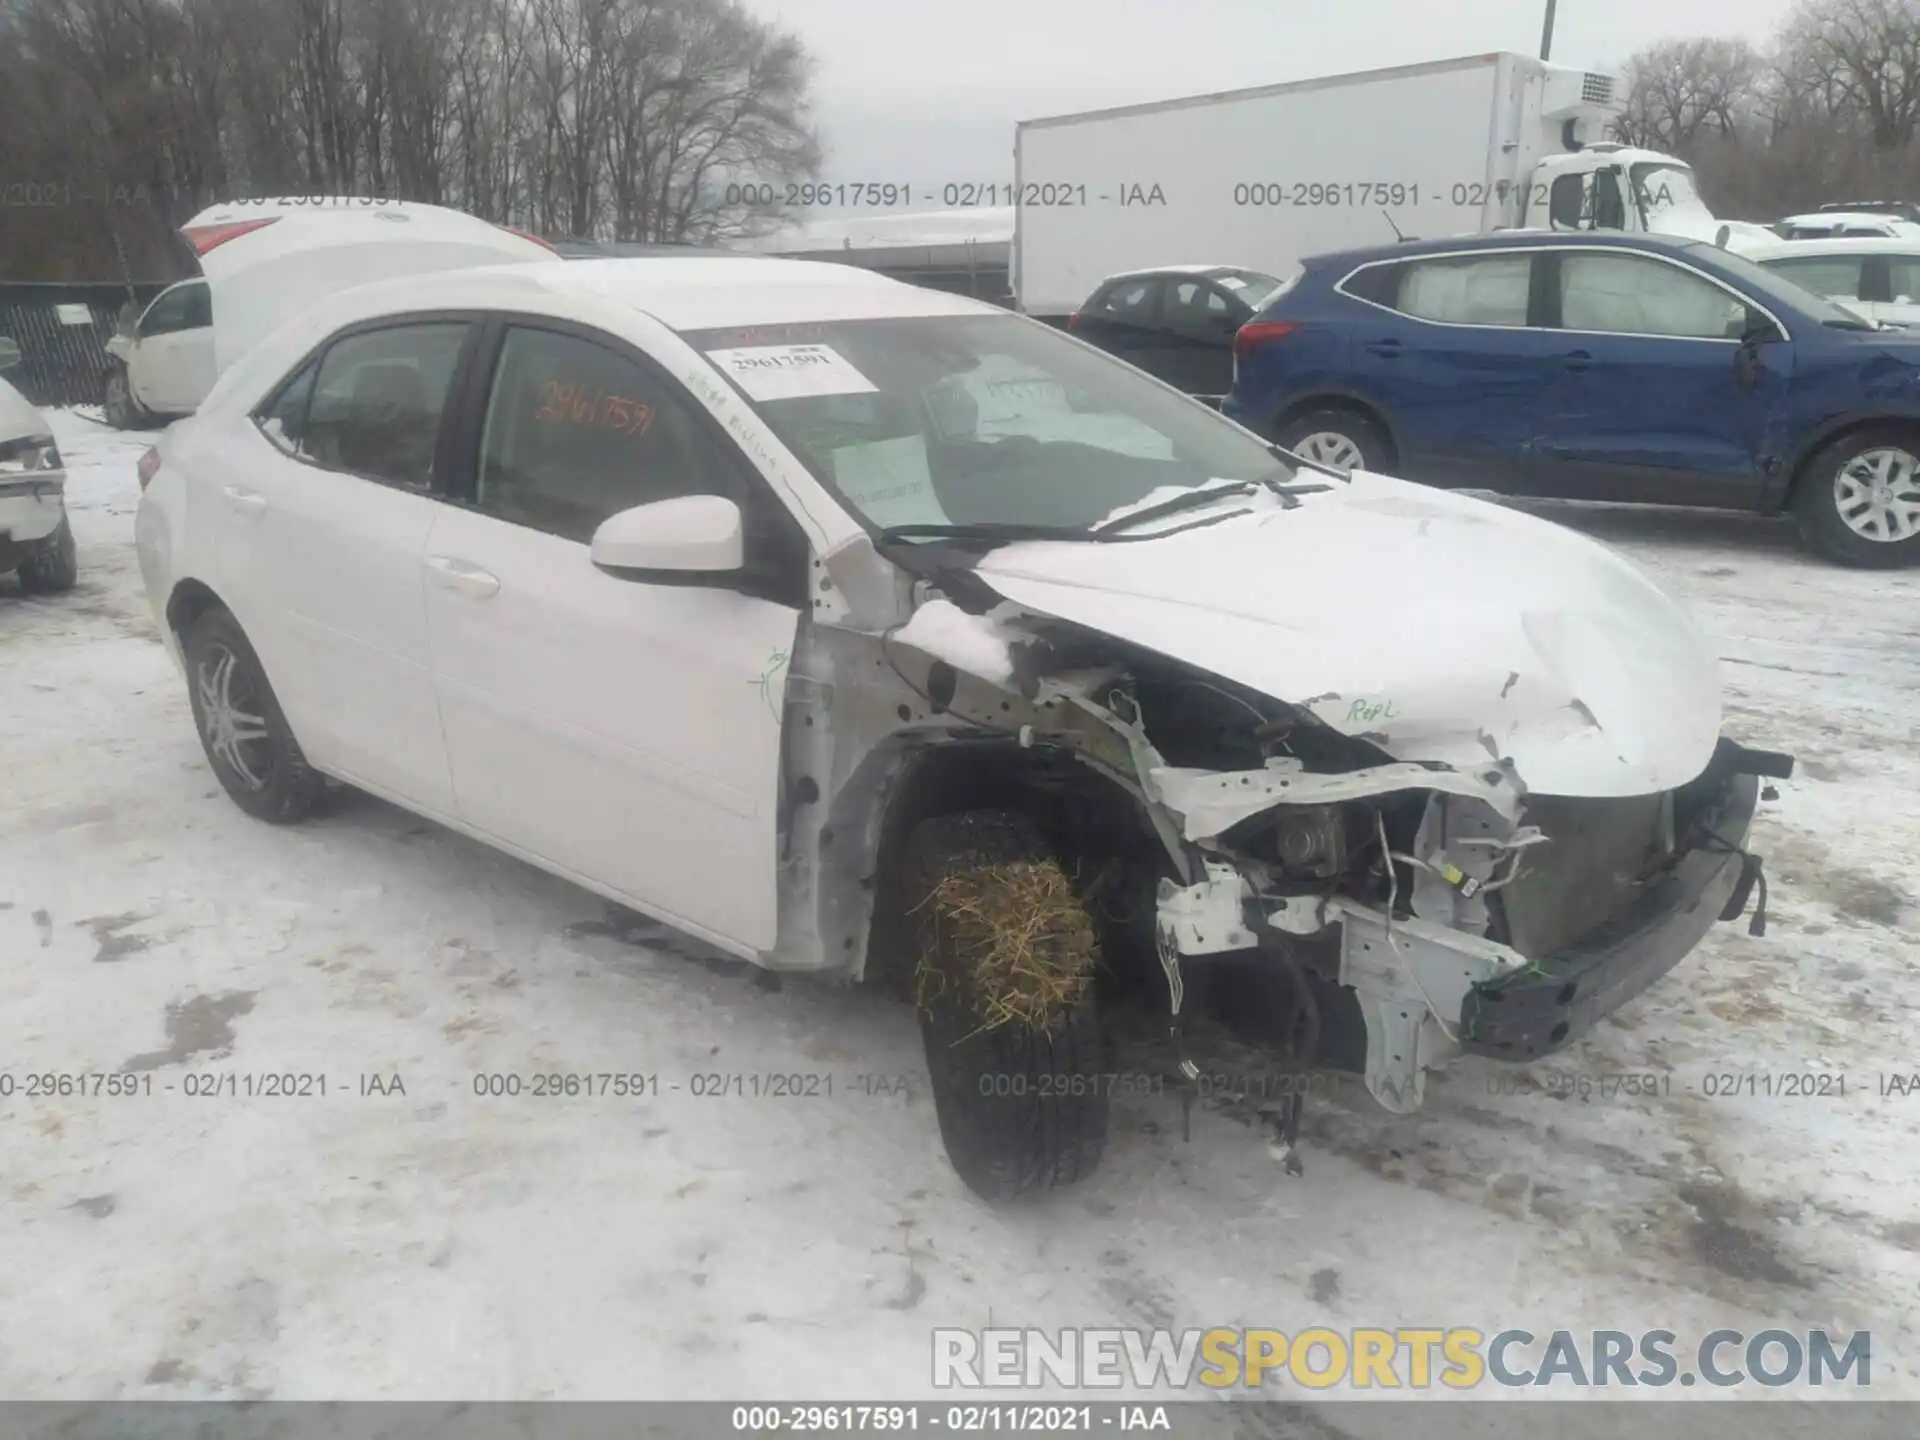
458, 575
245, 501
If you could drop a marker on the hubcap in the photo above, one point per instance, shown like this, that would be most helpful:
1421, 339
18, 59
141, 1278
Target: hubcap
1878, 494
1329, 447
235, 735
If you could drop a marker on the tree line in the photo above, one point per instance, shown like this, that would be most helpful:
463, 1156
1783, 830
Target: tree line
1827, 110
583, 119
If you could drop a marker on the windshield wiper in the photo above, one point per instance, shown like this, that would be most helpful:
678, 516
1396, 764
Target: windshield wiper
1287, 457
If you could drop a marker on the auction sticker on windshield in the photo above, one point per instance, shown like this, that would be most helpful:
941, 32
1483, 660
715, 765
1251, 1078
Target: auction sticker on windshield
785, 372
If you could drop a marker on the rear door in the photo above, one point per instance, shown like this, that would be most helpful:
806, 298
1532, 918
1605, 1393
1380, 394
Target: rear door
1648, 401
322, 530
1200, 320
624, 732
1443, 346
1123, 318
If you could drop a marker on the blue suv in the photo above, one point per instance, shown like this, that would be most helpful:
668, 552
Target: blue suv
1596, 367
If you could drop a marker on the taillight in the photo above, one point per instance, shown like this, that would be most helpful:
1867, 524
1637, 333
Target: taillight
1073, 321
149, 466
204, 237
1255, 333
525, 235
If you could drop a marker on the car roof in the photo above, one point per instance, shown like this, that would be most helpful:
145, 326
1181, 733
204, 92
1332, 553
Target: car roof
1838, 245
1823, 219
1149, 270
1509, 240
683, 293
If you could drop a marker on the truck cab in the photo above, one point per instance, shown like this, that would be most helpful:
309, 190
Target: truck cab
1606, 186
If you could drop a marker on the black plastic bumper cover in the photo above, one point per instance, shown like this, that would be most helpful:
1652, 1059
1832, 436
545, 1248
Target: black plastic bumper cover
1535, 1011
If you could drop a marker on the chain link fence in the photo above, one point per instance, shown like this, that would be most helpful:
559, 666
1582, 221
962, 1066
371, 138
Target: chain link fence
62, 332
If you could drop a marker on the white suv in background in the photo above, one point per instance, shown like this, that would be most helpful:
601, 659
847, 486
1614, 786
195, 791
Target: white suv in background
1876, 275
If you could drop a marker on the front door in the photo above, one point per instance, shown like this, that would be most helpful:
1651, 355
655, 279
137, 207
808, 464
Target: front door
1655, 398
322, 528
626, 733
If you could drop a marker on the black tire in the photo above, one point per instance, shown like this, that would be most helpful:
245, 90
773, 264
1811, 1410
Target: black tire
53, 565
122, 410
1049, 1126
266, 775
1818, 506
1366, 437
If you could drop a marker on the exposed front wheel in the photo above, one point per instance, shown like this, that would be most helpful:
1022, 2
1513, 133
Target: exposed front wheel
53, 565
1859, 501
1339, 439
245, 735
1005, 959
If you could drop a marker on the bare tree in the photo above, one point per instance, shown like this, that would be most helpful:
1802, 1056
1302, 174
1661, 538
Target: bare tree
1861, 56
1680, 90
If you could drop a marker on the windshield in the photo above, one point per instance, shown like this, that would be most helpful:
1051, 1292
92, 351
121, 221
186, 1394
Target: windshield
1665, 190
977, 420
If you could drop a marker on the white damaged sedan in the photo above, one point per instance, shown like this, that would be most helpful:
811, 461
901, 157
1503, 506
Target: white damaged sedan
867, 631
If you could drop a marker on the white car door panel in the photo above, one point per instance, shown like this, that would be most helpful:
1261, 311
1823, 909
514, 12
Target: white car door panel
627, 732
324, 565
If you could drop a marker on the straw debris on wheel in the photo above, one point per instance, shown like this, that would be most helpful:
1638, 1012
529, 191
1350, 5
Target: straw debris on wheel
1019, 938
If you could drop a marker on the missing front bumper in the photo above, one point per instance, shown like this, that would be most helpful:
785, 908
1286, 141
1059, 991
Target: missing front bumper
1532, 1012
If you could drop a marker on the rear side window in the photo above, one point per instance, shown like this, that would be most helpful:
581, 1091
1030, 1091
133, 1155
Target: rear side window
377, 400
1903, 278
1477, 290
1129, 300
576, 433
178, 309
284, 418
1828, 275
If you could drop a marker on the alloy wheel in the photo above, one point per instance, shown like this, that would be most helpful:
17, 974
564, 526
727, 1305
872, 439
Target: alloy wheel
1329, 447
236, 735
1877, 494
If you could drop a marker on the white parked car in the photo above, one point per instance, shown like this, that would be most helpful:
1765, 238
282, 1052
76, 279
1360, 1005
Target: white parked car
714, 587
1877, 276
36, 543
265, 261
1844, 224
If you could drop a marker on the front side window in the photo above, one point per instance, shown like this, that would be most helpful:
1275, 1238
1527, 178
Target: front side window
1475, 290
576, 432
377, 401
989, 420
172, 310
1834, 276
1639, 295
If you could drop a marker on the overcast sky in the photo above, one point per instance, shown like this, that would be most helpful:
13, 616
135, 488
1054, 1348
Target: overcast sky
928, 91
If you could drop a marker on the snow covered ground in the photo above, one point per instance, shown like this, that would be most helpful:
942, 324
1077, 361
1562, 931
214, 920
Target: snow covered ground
439, 1243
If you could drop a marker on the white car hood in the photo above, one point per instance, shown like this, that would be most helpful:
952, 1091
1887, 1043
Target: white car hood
18, 417
1439, 627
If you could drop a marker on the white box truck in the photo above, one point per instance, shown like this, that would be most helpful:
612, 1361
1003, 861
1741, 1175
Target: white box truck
1259, 178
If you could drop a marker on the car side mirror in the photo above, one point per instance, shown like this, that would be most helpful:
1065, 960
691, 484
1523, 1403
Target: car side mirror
9, 353
1761, 331
689, 534
1565, 202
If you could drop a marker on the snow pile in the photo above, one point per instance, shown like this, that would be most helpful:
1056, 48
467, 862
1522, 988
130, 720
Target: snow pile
978, 644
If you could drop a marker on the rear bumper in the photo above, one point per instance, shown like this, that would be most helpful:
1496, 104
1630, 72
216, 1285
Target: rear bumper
1533, 1012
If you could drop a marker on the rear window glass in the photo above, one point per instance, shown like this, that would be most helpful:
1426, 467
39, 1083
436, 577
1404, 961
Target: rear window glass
377, 401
